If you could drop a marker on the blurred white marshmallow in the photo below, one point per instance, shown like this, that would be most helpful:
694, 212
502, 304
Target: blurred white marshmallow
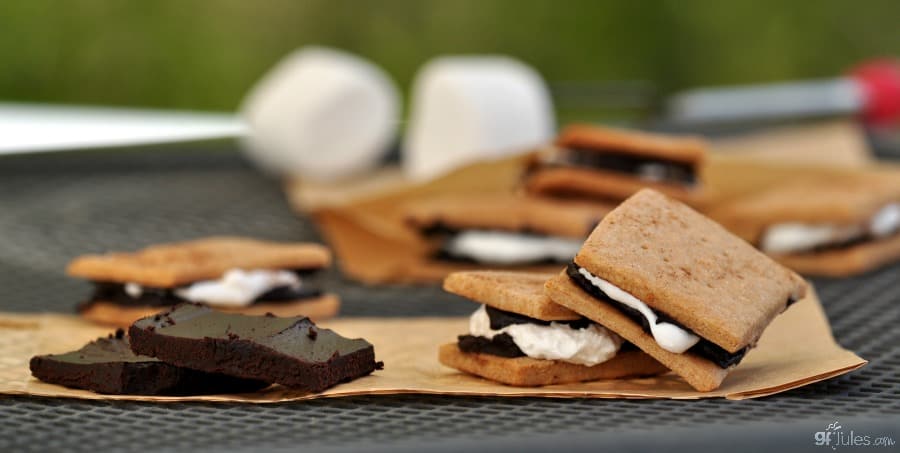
321, 113
466, 109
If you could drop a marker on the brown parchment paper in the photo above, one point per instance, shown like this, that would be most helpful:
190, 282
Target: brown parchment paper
362, 219
836, 143
797, 349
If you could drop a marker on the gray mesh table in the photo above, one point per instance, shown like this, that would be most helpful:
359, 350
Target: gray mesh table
53, 207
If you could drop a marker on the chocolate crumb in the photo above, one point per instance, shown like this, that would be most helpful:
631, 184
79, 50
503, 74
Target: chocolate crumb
120, 333
269, 314
233, 336
157, 318
379, 365
151, 328
312, 333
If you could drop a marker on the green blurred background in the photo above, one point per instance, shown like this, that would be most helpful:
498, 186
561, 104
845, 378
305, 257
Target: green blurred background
205, 54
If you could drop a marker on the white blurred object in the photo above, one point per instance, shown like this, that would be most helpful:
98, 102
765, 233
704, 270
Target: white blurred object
322, 114
466, 109
31, 128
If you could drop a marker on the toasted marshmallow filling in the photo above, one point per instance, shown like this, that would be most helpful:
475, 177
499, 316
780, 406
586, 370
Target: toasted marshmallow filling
499, 247
667, 335
589, 346
801, 237
238, 288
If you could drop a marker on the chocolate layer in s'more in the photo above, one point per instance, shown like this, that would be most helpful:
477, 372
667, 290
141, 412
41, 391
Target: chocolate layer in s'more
234, 274
834, 227
519, 337
507, 230
677, 285
606, 163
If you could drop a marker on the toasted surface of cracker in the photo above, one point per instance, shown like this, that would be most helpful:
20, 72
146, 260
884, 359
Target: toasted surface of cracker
528, 372
679, 148
690, 268
593, 183
173, 264
509, 212
517, 292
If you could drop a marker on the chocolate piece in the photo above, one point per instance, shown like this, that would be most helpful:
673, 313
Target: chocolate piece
704, 348
108, 365
279, 350
641, 166
500, 319
501, 345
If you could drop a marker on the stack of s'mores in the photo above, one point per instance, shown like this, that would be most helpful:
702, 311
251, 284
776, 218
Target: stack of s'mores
655, 286
603, 163
566, 190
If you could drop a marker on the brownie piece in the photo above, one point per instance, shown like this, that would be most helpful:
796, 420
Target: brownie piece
290, 351
108, 365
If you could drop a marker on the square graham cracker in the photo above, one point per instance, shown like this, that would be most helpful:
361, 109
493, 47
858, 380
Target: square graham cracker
683, 148
528, 372
174, 264
517, 292
690, 268
600, 184
508, 212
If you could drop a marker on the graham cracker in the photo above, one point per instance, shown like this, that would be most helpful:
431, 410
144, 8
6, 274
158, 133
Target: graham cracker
528, 372
678, 148
118, 315
508, 212
845, 261
517, 292
595, 183
174, 264
701, 374
848, 200
690, 268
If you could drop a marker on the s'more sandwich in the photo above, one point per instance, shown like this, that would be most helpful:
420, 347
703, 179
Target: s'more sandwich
677, 285
505, 230
606, 163
519, 337
834, 227
231, 274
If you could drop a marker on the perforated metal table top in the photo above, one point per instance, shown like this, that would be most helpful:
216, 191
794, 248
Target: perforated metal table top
53, 207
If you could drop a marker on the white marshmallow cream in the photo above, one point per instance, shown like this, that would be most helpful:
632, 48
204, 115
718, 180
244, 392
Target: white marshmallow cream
802, 237
557, 341
669, 336
238, 288
499, 247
